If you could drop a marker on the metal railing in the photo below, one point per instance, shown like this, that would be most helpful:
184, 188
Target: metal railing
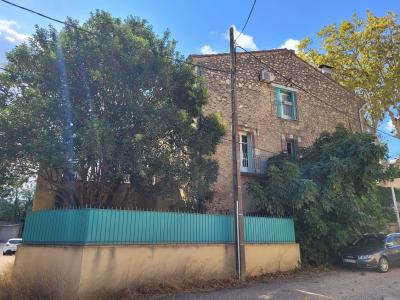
255, 164
108, 226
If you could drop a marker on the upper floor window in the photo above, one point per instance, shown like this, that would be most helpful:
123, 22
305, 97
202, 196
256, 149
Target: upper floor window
286, 106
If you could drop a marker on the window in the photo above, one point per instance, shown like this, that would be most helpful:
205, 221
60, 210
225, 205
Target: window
16, 242
395, 240
246, 152
289, 145
286, 104
290, 148
370, 241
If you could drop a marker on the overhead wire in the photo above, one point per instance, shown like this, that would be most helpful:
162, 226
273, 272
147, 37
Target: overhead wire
98, 35
247, 20
290, 80
198, 65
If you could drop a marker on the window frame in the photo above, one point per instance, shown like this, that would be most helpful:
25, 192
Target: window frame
249, 152
280, 102
286, 102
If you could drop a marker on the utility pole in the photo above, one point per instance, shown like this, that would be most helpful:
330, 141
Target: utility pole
237, 188
396, 210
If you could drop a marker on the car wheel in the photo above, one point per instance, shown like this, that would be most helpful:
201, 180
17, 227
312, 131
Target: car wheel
383, 265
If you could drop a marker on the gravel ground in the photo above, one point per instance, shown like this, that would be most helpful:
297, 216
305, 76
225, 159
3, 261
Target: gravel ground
5, 260
337, 284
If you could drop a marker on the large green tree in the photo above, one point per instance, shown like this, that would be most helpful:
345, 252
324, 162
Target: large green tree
365, 55
106, 106
331, 192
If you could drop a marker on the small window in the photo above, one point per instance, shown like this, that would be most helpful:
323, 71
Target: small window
286, 104
198, 71
289, 148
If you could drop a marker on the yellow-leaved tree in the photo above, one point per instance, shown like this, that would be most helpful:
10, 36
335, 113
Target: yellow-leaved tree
365, 54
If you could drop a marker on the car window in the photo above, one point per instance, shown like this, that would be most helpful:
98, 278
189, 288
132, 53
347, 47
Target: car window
394, 239
390, 239
15, 241
370, 241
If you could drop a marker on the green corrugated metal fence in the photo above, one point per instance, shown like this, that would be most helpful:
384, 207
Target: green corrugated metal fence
108, 226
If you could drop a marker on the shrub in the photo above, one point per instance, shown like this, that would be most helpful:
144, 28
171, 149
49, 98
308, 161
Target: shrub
331, 192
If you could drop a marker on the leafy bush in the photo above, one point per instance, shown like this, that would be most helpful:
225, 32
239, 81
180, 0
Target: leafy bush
330, 191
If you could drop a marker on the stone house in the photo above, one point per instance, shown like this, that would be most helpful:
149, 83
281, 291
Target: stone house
275, 115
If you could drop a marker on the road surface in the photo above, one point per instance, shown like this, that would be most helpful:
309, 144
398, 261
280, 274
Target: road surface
337, 284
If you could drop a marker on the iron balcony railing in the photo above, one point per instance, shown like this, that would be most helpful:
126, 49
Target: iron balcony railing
255, 164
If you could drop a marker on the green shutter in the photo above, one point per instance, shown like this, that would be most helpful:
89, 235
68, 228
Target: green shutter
278, 102
250, 158
294, 106
294, 150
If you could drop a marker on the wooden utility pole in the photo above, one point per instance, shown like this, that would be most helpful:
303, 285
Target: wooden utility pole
237, 189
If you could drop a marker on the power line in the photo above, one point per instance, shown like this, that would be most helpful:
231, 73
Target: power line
247, 20
47, 17
289, 80
193, 64
98, 35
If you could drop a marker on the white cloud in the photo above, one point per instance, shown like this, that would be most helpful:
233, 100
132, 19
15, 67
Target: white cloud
244, 40
390, 127
207, 49
290, 44
7, 32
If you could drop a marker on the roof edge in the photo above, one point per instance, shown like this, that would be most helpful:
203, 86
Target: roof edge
242, 52
331, 79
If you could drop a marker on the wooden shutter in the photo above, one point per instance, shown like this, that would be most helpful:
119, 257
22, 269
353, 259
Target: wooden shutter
294, 105
278, 102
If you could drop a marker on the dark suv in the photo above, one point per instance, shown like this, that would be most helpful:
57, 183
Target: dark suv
374, 251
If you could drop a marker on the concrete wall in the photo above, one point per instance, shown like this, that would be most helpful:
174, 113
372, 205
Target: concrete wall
271, 258
9, 231
90, 269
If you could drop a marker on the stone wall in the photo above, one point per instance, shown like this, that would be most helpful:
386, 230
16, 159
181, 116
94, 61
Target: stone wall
257, 109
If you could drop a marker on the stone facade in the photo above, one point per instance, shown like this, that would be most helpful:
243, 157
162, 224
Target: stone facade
321, 108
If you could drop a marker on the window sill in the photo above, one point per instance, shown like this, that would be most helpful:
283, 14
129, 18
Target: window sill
288, 119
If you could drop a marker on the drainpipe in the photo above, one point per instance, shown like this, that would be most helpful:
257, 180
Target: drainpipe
360, 116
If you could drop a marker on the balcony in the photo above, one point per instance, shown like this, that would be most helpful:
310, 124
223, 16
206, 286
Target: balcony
253, 164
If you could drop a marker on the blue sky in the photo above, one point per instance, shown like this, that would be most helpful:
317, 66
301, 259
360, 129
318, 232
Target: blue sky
201, 26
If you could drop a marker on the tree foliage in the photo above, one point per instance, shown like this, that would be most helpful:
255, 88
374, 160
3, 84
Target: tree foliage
365, 55
331, 192
15, 201
104, 109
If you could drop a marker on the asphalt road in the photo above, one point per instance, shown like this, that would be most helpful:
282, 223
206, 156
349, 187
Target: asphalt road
337, 284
